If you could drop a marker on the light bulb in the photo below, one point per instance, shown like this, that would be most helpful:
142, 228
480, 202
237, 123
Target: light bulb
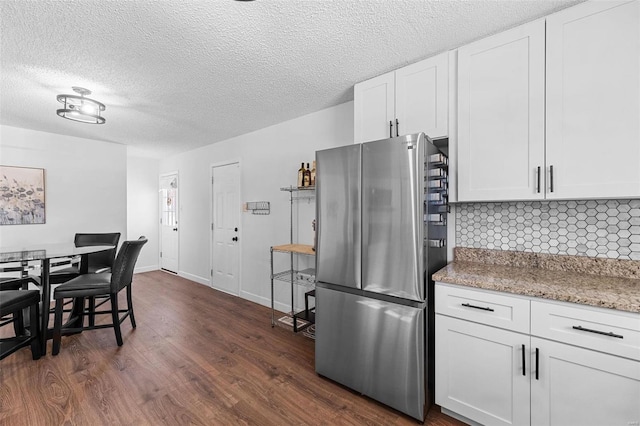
88, 109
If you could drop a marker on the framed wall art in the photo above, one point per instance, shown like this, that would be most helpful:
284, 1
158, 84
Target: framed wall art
21, 195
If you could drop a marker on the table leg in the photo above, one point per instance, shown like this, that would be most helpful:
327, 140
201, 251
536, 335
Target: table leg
44, 312
77, 311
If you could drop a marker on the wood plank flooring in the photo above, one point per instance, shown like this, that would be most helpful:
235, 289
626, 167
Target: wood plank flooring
198, 356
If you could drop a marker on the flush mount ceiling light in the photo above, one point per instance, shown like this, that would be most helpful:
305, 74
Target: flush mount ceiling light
79, 108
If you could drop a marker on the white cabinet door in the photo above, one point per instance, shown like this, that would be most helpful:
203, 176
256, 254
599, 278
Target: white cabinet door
482, 372
374, 108
593, 100
409, 100
576, 386
422, 97
501, 116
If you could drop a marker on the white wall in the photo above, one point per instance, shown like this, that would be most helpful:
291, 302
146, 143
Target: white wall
269, 159
85, 185
142, 209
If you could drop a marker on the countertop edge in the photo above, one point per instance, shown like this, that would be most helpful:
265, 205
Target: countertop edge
622, 294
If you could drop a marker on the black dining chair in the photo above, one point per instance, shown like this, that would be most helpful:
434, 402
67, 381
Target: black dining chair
17, 276
102, 284
12, 306
97, 263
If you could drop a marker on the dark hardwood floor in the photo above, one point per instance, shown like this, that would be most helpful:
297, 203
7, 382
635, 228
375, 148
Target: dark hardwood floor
198, 356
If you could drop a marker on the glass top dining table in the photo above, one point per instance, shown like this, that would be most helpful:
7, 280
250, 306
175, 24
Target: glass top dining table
44, 253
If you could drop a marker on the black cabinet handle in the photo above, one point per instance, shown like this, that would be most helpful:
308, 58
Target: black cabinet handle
537, 363
235, 229
397, 128
551, 178
234, 239
538, 179
524, 368
604, 333
484, 308
390, 128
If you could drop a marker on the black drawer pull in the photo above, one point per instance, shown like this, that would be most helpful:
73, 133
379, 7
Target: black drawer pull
466, 305
524, 368
604, 333
537, 364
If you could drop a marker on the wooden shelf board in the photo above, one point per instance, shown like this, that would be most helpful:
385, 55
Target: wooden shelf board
295, 248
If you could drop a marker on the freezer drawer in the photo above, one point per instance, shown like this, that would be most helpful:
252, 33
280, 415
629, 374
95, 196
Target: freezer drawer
372, 346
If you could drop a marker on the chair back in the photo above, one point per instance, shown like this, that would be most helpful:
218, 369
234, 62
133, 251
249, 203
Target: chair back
122, 269
103, 259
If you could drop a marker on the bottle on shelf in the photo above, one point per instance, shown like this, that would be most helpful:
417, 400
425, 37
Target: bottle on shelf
301, 171
313, 174
306, 177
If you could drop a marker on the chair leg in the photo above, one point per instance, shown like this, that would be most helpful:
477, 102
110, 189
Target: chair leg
57, 327
18, 323
113, 297
92, 309
130, 306
34, 329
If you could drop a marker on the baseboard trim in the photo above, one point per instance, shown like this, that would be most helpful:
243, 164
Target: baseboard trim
142, 269
196, 278
265, 301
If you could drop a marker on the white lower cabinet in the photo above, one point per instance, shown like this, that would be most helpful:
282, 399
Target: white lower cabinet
481, 372
566, 371
577, 386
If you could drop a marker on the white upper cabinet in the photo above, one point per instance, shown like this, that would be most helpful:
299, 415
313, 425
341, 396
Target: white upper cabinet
409, 100
422, 97
593, 100
589, 146
374, 108
501, 116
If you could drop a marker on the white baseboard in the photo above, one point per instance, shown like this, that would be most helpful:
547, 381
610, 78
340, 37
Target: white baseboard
265, 301
261, 300
255, 298
142, 269
196, 278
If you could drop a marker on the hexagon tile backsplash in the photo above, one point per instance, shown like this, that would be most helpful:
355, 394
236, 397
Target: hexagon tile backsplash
594, 228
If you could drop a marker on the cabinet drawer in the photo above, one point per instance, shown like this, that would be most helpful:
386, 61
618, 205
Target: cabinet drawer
609, 331
511, 313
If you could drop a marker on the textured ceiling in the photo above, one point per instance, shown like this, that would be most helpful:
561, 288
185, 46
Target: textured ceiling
177, 75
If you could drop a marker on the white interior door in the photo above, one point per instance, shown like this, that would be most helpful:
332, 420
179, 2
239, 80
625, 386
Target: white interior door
169, 234
225, 262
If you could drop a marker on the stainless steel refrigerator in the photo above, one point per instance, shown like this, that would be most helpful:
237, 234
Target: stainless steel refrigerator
381, 233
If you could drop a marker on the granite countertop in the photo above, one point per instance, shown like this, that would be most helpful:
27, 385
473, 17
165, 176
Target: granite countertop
605, 283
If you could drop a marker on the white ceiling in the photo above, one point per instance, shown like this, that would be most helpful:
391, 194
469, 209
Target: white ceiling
179, 74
